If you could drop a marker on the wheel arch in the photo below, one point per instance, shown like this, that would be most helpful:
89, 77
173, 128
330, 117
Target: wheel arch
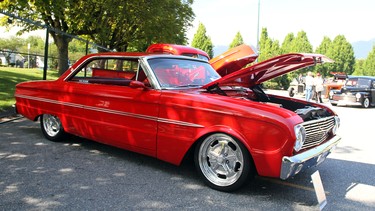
218, 129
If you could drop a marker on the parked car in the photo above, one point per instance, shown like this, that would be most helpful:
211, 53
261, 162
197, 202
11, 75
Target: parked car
358, 91
335, 83
170, 107
297, 86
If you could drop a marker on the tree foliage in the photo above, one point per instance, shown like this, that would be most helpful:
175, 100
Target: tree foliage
368, 65
202, 41
268, 48
359, 68
301, 43
287, 45
236, 41
138, 23
341, 51
112, 23
323, 48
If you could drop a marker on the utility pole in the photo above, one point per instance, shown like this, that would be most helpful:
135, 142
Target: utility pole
258, 29
28, 55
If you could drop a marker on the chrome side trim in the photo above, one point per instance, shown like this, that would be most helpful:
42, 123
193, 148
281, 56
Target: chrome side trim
110, 111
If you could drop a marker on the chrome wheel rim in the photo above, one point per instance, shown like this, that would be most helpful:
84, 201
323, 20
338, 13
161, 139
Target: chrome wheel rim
51, 124
221, 160
366, 103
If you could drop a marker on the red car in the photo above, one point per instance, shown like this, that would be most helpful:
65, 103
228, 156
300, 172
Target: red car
167, 106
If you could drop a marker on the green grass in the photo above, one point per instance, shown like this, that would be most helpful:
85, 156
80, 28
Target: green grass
10, 76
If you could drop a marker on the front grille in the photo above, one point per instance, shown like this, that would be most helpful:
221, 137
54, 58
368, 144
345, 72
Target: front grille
317, 131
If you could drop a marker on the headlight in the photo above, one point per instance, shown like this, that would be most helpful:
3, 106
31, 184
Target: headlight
300, 137
336, 126
331, 93
358, 95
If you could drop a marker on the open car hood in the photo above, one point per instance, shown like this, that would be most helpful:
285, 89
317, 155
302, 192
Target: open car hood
268, 69
234, 59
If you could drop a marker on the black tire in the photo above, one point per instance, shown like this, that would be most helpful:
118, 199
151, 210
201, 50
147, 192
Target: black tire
223, 162
291, 92
366, 103
52, 128
334, 104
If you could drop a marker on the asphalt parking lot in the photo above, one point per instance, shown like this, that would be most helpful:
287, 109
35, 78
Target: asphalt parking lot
79, 174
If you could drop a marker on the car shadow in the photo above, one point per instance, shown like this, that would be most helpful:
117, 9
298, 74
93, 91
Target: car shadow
77, 173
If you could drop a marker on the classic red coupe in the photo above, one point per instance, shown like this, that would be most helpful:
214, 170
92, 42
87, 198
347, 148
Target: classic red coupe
169, 107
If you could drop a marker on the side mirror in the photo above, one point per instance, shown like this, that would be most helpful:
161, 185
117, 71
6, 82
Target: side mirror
137, 84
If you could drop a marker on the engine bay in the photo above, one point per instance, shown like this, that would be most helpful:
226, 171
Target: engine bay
305, 110
311, 113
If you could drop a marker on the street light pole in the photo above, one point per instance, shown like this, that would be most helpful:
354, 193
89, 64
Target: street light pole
28, 55
258, 28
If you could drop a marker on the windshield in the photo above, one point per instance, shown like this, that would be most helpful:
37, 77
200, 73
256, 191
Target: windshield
176, 72
358, 82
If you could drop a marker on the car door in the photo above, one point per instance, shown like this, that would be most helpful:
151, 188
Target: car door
115, 113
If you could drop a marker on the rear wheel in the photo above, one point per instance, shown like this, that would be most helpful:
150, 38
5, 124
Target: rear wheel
51, 127
366, 103
223, 162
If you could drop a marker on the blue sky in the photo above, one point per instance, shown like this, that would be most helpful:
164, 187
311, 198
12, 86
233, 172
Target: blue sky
318, 18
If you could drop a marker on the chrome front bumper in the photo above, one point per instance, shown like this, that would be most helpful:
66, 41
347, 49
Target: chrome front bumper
291, 166
345, 102
349, 100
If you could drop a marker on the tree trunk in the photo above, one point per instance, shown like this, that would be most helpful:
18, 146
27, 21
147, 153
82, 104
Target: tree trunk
62, 43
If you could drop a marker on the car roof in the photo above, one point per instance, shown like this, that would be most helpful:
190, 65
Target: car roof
175, 49
139, 54
364, 77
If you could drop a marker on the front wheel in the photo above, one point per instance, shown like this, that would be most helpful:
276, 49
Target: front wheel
51, 127
223, 162
366, 103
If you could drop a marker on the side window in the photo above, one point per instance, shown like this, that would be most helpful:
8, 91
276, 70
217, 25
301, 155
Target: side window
108, 71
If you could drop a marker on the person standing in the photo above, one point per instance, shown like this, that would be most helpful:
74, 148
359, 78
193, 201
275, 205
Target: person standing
309, 86
319, 87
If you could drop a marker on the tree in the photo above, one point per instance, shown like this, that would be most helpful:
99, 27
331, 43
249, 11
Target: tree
202, 41
359, 68
236, 41
342, 53
113, 23
369, 64
138, 23
301, 43
287, 45
268, 48
297, 44
12, 43
323, 48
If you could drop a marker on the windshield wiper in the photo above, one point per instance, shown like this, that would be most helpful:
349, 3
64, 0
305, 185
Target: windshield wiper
188, 85
215, 88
